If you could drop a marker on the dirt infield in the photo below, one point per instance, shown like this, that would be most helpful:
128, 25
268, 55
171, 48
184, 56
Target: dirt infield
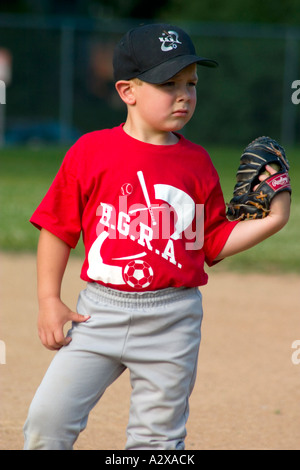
247, 394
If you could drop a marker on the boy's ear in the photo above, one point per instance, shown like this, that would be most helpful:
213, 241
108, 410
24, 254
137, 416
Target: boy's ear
125, 90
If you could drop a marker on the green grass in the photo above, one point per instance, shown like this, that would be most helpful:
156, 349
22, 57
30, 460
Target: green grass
26, 173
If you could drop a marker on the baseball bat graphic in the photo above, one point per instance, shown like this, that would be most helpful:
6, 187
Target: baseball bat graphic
146, 195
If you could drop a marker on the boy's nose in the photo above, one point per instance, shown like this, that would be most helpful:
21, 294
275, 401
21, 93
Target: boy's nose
184, 94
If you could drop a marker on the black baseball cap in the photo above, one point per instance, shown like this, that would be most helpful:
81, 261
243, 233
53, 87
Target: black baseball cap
154, 53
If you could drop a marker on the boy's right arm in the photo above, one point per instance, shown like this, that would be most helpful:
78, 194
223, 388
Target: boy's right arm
52, 258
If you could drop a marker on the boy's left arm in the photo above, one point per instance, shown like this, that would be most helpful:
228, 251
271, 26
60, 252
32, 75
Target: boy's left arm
249, 233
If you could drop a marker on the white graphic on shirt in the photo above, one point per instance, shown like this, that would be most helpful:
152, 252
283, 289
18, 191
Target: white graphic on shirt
138, 274
182, 203
169, 41
100, 271
125, 224
130, 257
126, 189
146, 195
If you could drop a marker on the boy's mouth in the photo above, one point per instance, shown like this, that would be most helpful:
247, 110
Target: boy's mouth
180, 112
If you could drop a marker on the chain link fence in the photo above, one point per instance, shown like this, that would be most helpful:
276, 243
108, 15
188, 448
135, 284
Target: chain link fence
61, 83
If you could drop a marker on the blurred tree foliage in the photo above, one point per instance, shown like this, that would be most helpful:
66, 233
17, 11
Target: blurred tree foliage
257, 11
89, 8
236, 11
133, 8
243, 98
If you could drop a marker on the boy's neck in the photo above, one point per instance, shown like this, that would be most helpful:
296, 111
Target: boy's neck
154, 138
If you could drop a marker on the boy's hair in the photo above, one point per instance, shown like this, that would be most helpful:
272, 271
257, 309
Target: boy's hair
137, 81
154, 53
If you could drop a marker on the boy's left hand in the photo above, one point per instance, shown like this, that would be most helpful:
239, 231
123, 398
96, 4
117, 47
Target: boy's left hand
262, 174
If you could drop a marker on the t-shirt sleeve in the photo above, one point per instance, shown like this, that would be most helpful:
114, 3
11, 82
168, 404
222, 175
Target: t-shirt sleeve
61, 208
217, 227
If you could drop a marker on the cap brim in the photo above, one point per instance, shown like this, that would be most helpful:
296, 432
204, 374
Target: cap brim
163, 72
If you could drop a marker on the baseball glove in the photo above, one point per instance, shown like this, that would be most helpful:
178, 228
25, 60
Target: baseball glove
251, 197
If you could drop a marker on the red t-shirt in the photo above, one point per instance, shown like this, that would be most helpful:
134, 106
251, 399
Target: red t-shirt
150, 215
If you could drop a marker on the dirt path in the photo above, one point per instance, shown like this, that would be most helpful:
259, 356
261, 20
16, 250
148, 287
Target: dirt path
247, 394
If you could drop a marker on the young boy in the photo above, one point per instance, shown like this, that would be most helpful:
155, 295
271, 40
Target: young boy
150, 208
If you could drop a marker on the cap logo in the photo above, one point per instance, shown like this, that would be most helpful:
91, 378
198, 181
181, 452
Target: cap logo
169, 40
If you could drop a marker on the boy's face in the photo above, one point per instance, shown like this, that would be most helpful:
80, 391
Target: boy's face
166, 107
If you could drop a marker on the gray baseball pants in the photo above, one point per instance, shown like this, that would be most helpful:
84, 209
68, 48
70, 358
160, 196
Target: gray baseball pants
156, 335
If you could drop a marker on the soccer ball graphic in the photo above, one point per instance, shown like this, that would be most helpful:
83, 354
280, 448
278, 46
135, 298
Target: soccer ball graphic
138, 274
